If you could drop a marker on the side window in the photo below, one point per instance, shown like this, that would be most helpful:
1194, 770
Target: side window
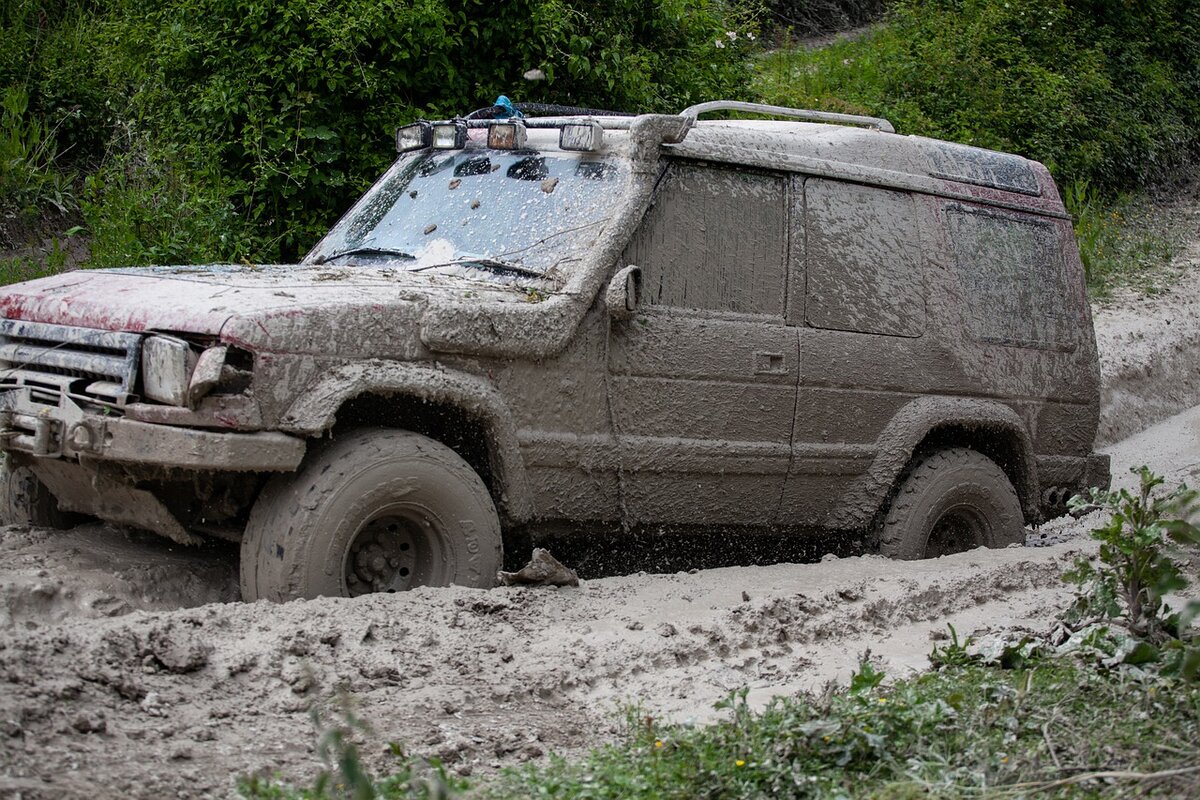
715, 238
865, 267
1012, 276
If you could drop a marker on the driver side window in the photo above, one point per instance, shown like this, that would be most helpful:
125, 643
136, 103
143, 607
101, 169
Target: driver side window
714, 239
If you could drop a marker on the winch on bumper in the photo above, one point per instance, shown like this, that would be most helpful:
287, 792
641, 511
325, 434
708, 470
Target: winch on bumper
66, 431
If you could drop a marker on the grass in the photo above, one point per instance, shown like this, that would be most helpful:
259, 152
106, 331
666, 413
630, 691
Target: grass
1062, 726
1125, 240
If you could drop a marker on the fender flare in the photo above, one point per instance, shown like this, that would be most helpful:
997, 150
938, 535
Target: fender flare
912, 425
315, 412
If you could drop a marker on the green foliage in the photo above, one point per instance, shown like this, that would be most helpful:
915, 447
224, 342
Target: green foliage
145, 207
1121, 240
1139, 566
345, 777
1099, 91
1141, 561
273, 115
808, 17
29, 178
955, 733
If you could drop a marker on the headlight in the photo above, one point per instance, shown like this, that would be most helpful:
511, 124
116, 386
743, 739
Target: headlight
167, 365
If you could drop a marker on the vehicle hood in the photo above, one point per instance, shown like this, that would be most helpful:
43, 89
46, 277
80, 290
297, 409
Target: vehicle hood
281, 308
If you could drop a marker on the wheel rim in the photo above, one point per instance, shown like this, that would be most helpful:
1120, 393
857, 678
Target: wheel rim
958, 529
393, 551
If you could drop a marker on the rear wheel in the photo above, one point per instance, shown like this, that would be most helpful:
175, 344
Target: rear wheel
24, 500
950, 501
377, 511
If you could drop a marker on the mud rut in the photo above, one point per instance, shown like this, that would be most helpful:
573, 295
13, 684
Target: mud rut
127, 668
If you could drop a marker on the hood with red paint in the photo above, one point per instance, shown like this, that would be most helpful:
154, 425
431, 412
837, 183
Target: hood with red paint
282, 308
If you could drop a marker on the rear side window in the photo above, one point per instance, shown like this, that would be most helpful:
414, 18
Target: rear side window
864, 260
1012, 276
715, 238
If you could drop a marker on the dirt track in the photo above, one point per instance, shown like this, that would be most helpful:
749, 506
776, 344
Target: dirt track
107, 691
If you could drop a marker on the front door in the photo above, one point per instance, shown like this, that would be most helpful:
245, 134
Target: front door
703, 377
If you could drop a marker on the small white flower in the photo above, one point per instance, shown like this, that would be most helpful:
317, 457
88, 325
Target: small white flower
732, 35
720, 44
751, 36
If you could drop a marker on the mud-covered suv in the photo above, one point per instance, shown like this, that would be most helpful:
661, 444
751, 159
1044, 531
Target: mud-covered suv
581, 321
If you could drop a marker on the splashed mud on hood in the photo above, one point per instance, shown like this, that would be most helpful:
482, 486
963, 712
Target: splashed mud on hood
254, 305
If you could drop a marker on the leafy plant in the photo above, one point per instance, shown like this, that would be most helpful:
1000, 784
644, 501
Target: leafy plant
29, 174
1139, 564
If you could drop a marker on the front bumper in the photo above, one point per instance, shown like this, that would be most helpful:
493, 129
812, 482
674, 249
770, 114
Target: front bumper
67, 431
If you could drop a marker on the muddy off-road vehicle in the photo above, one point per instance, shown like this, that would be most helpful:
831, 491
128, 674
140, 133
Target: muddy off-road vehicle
588, 322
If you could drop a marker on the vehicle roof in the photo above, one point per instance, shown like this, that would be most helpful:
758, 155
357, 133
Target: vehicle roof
823, 144
874, 156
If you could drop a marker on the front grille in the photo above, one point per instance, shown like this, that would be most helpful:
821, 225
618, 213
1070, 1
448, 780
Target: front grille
56, 360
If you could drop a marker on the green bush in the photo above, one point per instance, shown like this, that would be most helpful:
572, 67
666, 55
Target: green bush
276, 114
1099, 90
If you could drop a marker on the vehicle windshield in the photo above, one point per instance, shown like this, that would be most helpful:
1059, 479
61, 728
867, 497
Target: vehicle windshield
500, 212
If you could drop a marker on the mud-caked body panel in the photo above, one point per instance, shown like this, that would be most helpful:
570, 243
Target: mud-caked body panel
804, 310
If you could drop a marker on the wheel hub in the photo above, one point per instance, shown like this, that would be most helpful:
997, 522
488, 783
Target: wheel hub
382, 557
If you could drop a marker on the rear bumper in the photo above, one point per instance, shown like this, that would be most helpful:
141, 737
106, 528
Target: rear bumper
66, 431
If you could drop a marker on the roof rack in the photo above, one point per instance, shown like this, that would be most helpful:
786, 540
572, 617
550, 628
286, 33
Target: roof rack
878, 123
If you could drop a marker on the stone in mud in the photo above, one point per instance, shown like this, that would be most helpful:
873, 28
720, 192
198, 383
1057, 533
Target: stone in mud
178, 651
90, 722
543, 569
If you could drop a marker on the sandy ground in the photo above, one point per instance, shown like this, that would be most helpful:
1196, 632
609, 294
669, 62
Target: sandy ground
127, 668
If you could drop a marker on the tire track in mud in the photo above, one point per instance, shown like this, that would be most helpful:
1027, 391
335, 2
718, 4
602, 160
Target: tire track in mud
184, 700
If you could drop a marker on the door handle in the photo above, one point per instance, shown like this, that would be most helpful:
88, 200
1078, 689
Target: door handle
769, 363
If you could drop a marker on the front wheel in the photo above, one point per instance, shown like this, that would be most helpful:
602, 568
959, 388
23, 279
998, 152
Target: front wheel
25, 500
950, 501
376, 511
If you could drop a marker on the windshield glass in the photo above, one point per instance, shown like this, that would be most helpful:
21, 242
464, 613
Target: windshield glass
495, 211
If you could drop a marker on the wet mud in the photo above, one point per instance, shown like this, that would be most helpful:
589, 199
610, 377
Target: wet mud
126, 664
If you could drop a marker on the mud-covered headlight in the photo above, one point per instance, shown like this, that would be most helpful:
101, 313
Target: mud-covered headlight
167, 364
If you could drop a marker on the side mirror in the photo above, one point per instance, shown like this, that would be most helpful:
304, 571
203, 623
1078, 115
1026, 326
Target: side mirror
624, 293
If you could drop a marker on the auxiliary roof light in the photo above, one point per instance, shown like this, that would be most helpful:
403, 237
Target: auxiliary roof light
417, 136
506, 135
450, 135
585, 136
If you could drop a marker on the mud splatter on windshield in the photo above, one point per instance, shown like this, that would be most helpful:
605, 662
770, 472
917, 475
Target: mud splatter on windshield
463, 210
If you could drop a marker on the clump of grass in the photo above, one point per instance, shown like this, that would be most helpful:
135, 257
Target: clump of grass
30, 177
1123, 241
1073, 726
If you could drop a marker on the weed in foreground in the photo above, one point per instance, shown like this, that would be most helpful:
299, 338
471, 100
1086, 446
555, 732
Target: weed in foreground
1142, 560
344, 775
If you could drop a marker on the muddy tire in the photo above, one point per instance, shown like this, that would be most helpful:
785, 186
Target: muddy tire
24, 500
375, 511
950, 501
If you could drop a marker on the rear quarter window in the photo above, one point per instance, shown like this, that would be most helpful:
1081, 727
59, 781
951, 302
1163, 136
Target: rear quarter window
1011, 272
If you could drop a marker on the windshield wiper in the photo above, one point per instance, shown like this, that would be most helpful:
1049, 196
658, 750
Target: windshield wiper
488, 264
364, 251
